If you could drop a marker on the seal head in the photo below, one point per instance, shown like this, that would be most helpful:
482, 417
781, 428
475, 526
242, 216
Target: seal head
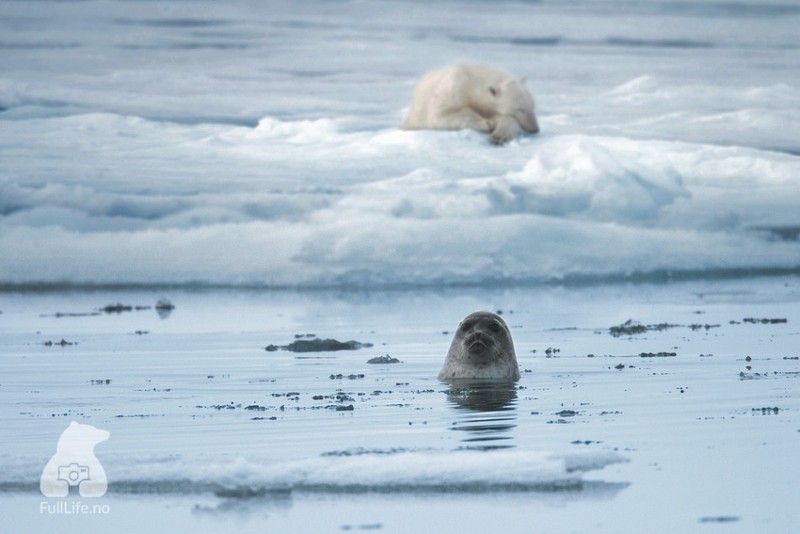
481, 349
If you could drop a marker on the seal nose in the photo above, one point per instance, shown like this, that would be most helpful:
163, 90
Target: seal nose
476, 339
473, 338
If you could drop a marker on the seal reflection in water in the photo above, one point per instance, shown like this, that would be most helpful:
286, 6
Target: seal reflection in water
486, 412
482, 349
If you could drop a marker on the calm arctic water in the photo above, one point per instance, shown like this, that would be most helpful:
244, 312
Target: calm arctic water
209, 431
257, 143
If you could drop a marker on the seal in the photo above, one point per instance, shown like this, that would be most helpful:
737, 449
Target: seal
482, 349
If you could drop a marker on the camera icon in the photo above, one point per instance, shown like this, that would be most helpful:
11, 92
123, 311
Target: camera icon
73, 474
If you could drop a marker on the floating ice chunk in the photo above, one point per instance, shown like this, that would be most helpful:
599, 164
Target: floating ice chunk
407, 471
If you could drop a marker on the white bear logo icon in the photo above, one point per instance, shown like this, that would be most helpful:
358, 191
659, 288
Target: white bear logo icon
74, 464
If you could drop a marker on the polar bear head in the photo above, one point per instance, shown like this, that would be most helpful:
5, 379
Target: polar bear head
513, 99
80, 439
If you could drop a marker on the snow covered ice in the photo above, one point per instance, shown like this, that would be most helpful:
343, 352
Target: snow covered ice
258, 144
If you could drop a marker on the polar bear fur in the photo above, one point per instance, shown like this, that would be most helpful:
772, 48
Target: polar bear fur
75, 451
476, 97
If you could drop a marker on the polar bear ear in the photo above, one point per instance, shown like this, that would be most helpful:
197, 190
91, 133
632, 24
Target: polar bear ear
494, 90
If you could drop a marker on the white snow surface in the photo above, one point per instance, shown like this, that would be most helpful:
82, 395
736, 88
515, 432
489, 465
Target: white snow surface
258, 143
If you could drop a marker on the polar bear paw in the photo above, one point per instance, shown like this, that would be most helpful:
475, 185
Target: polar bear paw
506, 129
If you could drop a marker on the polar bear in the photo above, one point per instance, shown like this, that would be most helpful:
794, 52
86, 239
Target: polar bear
74, 464
476, 97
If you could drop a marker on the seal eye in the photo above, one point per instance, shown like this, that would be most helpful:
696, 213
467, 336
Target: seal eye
466, 326
494, 327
